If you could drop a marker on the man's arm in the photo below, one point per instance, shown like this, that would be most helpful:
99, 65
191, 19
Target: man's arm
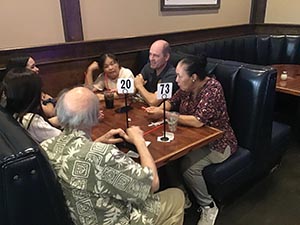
135, 135
149, 97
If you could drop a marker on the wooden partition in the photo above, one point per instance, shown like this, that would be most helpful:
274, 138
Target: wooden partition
63, 65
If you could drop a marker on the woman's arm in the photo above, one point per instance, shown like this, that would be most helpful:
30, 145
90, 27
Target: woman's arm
156, 113
189, 120
88, 81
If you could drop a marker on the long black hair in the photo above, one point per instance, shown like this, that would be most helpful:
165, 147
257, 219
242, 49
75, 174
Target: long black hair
21, 91
19, 61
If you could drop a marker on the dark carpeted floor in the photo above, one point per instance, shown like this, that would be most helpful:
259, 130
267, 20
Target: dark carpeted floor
274, 200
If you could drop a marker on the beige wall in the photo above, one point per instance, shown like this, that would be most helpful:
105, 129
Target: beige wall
30, 23
108, 19
286, 12
38, 22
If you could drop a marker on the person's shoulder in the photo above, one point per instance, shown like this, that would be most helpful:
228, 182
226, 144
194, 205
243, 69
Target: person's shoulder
147, 69
214, 82
125, 72
32, 118
100, 77
170, 70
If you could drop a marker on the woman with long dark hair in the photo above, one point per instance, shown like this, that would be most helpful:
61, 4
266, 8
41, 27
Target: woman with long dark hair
28, 62
21, 91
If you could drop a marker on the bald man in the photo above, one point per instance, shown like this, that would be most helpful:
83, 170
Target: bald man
101, 184
157, 70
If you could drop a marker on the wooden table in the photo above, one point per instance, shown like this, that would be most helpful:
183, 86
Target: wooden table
292, 84
185, 138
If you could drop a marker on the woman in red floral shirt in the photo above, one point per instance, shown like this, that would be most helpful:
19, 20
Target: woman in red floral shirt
200, 101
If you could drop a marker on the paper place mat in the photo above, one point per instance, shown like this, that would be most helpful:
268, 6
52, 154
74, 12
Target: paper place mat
169, 135
134, 154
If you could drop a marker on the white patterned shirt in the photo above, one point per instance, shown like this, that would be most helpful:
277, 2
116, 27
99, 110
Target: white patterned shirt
101, 184
38, 128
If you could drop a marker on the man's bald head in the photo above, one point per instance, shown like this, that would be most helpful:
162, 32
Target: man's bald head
161, 46
78, 108
159, 55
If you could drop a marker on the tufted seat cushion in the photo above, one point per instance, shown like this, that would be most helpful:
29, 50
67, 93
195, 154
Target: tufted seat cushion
29, 190
229, 174
280, 138
253, 49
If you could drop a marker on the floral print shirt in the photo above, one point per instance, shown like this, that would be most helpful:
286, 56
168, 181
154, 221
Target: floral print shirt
101, 184
209, 107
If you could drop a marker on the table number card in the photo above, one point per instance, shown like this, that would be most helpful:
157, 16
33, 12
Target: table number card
164, 90
125, 86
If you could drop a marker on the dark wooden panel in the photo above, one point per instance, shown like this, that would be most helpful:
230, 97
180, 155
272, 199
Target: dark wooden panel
63, 65
89, 49
258, 11
277, 29
71, 16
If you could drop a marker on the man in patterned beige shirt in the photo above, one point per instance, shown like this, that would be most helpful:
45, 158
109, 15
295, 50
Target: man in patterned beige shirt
101, 184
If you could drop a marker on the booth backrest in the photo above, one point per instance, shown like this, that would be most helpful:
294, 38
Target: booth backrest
29, 190
253, 49
249, 92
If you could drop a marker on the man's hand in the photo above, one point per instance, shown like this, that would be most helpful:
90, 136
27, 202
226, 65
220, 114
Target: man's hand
110, 136
139, 81
134, 135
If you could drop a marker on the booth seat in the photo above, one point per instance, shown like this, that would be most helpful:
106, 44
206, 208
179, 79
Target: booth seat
29, 190
249, 92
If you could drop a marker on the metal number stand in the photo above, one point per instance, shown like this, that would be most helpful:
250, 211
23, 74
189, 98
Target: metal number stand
126, 108
164, 138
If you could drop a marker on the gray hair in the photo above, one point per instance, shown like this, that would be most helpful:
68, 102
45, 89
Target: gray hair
83, 118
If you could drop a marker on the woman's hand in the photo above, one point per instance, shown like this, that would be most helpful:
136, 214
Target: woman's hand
100, 96
100, 115
47, 106
88, 78
93, 66
154, 113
